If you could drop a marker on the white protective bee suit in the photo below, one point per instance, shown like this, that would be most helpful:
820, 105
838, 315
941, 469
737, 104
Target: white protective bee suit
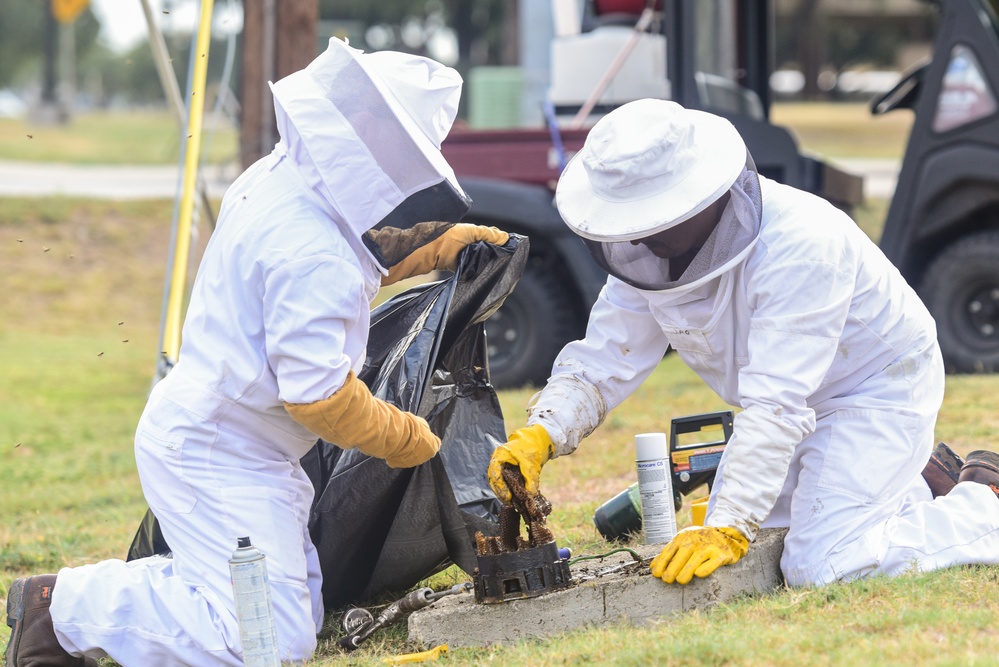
788, 312
278, 316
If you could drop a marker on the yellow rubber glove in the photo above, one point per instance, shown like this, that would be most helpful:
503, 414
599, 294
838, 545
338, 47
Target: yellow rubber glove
441, 254
698, 550
528, 448
352, 417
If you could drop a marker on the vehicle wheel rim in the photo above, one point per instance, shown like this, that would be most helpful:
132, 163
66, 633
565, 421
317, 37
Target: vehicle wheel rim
980, 312
504, 340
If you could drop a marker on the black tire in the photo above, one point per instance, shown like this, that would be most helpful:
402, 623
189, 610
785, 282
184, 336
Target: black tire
961, 290
528, 331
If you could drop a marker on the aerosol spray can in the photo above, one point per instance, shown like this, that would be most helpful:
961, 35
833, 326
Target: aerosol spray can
252, 593
656, 487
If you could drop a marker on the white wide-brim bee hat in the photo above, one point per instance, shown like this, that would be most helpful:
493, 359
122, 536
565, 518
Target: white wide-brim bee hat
648, 166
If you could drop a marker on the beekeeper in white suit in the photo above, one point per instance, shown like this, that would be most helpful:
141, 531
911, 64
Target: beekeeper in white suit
275, 332
786, 310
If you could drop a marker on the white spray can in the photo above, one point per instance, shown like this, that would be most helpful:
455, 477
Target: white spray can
254, 612
656, 487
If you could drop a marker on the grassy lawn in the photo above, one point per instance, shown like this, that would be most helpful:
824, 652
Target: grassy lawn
79, 320
112, 138
844, 130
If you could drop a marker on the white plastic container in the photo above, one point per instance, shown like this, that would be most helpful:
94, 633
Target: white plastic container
579, 62
656, 487
254, 611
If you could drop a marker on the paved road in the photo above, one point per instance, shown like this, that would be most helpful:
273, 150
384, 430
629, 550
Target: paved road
133, 182
35, 179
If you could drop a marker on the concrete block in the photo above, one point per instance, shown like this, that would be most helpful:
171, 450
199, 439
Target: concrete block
629, 593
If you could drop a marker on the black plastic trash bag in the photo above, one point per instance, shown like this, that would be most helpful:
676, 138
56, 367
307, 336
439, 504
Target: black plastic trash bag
379, 529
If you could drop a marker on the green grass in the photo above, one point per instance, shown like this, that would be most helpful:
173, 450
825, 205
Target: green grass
79, 322
70, 492
844, 130
112, 138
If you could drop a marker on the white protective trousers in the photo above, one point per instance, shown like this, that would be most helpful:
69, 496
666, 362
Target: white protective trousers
279, 313
855, 502
211, 486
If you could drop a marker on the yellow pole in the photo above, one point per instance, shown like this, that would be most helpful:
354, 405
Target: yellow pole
178, 282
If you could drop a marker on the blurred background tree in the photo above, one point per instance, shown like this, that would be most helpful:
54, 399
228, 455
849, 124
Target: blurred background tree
23, 36
462, 33
29, 44
816, 40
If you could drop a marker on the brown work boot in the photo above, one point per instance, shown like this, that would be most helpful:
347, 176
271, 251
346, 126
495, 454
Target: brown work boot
32, 640
942, 470
982, 467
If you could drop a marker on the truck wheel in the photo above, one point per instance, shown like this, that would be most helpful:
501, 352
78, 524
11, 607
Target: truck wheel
526, 334
961, 291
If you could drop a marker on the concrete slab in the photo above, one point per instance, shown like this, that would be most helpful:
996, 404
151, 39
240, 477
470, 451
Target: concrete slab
597, 597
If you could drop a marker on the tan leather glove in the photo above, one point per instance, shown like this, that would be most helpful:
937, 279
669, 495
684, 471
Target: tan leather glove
698, 550
528, 448
352, 417
441, 254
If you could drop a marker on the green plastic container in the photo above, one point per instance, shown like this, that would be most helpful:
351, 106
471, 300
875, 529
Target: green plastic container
621, 515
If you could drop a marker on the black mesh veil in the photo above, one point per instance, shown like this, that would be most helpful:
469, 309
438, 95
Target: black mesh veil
731, 239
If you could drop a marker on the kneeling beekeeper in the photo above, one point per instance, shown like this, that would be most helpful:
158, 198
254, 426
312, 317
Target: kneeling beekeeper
786, 310
275, 332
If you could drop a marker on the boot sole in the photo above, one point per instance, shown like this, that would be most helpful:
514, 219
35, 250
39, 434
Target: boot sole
15, 614
983, 459
943, 470
947, 461
982, 467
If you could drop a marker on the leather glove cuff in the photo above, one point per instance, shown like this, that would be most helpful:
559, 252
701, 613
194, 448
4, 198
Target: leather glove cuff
426, 247
353, 417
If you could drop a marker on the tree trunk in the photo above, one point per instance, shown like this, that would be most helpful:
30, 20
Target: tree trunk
811, 46
277, 40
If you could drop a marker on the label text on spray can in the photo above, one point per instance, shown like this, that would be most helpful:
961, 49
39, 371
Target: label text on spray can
658, 516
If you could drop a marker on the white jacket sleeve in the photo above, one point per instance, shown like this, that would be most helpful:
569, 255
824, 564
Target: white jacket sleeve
316, 321
799, 298
592, 376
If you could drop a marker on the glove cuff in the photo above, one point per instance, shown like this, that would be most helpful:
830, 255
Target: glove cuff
353, 417
738, 541
426, 247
